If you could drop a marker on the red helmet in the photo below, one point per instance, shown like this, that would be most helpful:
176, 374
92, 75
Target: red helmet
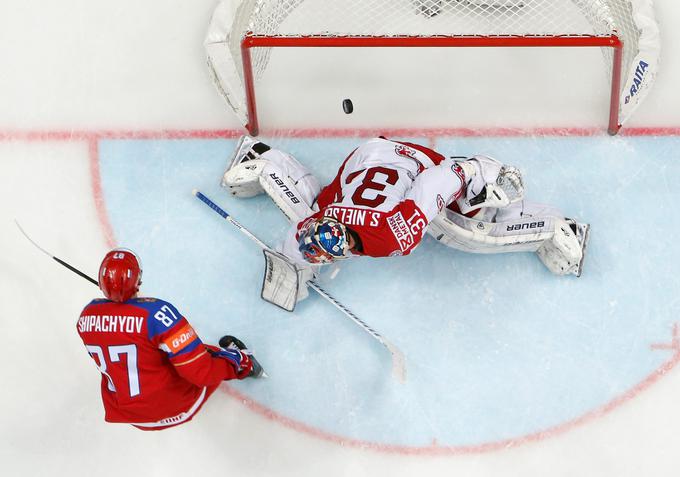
120, 275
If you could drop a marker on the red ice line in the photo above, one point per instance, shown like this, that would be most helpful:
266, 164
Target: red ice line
436, 450
98, 193
675, 341
100, 134
93, 137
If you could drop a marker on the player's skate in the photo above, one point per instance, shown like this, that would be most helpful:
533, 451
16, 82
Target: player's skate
245, 166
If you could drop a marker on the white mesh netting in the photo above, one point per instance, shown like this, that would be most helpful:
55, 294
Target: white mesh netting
439, 18
431, 17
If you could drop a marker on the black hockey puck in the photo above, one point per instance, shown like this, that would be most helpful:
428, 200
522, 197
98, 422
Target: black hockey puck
347, 106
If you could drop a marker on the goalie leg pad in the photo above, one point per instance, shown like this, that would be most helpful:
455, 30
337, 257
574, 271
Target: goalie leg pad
482, 236
564, 253
242, 176
290, 185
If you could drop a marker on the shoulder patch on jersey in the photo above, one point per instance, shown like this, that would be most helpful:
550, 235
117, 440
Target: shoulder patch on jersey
409, 153
178, 339
405, 151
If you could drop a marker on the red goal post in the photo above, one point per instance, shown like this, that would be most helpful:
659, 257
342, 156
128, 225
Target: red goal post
242, 34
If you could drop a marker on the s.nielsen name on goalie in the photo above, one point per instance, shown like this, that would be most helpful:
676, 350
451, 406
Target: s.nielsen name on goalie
387, 194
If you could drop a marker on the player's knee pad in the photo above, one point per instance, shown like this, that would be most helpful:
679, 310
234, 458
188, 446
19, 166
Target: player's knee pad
562, 254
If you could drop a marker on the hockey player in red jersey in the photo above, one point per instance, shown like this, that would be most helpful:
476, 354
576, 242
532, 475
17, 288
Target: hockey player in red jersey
156, 372
388, 194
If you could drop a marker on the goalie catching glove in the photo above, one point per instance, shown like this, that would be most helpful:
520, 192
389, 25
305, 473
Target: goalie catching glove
489, 184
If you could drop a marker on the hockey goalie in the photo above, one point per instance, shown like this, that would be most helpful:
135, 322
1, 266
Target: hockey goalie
387, 195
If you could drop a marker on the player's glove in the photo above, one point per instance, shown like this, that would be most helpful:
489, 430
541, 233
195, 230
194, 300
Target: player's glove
250, 367
240, 361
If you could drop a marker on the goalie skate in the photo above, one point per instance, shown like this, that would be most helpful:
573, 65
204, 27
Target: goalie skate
582, 234
245, 166
244, 151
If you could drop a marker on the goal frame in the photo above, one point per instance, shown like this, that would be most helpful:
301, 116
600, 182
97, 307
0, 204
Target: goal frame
250, 41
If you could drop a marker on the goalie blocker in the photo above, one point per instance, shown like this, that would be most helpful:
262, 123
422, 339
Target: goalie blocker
284, 283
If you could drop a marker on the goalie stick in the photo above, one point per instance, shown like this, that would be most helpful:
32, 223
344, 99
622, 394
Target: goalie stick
398, 360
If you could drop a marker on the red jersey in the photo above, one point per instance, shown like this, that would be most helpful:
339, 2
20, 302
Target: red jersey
155, 369
387, 192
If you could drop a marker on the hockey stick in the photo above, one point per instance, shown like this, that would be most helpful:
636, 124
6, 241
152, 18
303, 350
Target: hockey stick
95, 282
58, 260
398, 360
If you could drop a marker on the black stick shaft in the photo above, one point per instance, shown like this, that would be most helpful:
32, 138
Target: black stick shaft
76, 271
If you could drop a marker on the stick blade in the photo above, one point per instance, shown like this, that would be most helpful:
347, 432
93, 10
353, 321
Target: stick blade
398, 362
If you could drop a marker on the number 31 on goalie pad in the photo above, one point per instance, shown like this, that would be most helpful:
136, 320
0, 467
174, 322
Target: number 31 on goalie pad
282, 281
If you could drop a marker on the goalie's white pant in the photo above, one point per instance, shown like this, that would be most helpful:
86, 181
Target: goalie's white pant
521, 227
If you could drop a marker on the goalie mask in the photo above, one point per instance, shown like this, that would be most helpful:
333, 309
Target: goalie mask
120, 275
324, 241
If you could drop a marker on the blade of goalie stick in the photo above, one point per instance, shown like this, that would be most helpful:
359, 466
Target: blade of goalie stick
398, 359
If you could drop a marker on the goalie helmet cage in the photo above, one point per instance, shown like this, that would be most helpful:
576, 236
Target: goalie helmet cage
242, 34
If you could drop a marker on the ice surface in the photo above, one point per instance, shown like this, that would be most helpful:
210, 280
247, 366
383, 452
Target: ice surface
512, 371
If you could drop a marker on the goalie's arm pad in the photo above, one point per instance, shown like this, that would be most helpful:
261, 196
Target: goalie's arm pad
289, 247
436, 187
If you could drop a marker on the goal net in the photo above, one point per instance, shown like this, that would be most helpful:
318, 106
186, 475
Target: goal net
243, 33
